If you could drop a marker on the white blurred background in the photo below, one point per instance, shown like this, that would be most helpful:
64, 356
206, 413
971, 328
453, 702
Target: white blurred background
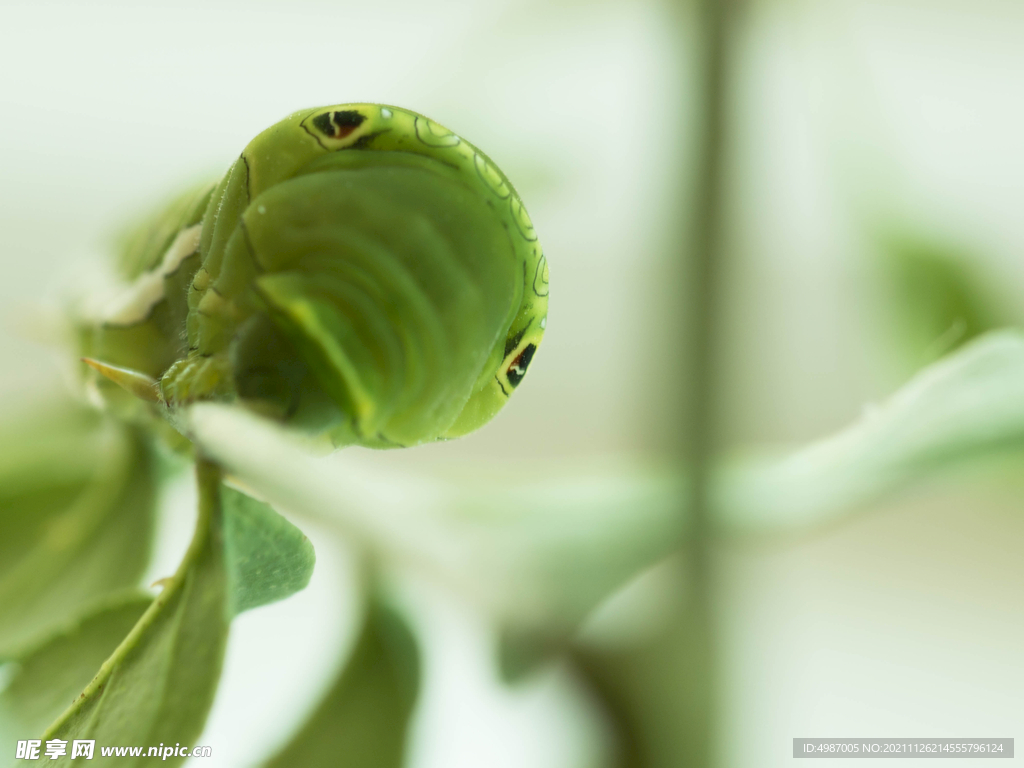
849, 118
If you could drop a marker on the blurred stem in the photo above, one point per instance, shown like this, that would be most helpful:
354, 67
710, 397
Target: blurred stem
704, 276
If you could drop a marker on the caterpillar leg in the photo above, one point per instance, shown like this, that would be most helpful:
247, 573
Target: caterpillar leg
197, 378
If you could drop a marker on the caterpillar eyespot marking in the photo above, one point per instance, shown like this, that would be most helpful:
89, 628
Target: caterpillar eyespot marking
338, 124
517, 369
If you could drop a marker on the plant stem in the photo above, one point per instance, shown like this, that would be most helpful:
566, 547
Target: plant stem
704, 275
208, 478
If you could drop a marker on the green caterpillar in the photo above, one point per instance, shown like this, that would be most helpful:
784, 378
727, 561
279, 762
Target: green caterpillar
359, 272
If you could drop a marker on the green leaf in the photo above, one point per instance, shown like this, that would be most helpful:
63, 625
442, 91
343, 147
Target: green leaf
966, 407
268, 558
939, 299
144, 243
363, 720
48, 678
77, 496
159, 684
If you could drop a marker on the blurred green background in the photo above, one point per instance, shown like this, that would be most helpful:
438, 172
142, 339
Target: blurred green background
875, 177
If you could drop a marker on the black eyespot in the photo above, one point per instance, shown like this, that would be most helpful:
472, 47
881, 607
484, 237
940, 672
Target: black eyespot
339, 124
323, 124
517, 370
348, 118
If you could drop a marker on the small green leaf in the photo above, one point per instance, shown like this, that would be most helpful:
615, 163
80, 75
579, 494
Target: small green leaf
268, 558
145, 242
48, 678
940, 301
363, 720
77, 496
159, 684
